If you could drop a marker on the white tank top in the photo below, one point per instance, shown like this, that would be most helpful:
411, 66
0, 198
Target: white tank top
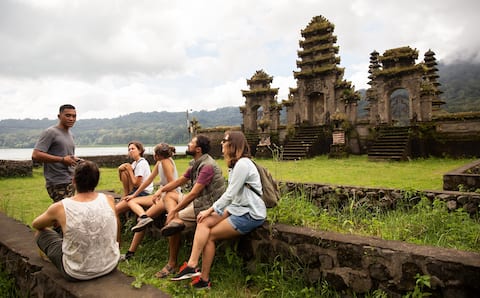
90, 247
163, 178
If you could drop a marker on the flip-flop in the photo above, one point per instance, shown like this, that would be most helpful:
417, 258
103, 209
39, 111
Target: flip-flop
166, 271
172, 228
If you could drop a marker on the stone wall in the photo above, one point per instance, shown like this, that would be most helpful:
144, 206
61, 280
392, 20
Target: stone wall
325, 195
466, 177
20, 168
16, 168
363, 264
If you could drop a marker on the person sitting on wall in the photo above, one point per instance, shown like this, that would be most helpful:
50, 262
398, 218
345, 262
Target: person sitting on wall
89, 247
166, 169
132, 175
208, 184
237, 212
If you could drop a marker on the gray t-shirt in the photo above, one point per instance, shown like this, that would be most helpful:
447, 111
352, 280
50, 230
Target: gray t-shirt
59, 142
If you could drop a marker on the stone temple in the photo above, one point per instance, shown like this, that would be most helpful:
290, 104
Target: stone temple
402, 117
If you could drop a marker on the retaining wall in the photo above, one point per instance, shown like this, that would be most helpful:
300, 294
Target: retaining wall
362, 264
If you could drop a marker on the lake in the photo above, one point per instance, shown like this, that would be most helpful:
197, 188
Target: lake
26, 153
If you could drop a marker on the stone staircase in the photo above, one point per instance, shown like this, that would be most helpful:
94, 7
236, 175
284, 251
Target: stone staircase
301, 144
392, 143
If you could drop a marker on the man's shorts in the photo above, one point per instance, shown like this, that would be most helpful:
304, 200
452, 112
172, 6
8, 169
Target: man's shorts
187, 214
61, 191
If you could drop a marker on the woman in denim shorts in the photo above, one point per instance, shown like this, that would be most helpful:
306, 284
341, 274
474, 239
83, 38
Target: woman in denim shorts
237, 212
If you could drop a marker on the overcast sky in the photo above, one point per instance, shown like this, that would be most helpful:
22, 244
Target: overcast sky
111, 58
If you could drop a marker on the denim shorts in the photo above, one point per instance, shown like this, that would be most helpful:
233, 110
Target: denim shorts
243, 224
142, 194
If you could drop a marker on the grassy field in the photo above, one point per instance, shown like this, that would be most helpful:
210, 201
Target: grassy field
23, 198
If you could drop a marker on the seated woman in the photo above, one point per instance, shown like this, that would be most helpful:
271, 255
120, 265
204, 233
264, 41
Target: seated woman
237, 212
90, 244
166, 169
132, 175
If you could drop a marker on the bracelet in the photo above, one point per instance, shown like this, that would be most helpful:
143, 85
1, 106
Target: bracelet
63, 159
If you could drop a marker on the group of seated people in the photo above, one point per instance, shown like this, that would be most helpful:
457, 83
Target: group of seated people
217, 210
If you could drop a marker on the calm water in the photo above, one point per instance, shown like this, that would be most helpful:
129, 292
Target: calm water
26, 153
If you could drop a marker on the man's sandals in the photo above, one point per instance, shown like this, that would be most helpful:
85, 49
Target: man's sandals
172, 228
166, 271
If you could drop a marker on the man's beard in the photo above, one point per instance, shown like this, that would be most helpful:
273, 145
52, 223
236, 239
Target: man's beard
188, 152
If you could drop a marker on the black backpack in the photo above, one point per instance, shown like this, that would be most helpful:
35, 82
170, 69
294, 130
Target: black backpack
271, 193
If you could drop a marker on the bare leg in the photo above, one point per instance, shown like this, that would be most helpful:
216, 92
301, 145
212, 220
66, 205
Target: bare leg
137, 239
121, 207
223, 230
202, 233
137, 204
126, 182
155, 209
173, 247
170, 202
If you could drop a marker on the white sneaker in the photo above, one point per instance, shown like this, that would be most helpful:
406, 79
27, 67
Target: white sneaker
142, 224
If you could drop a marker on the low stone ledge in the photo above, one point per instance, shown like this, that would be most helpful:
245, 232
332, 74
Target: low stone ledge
365, 263
466, 176
16, 168
37, 278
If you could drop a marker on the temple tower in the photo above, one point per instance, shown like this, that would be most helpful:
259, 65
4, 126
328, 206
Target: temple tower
261, 112
321, 90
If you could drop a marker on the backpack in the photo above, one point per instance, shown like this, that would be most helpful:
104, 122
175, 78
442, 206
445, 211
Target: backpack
271, 193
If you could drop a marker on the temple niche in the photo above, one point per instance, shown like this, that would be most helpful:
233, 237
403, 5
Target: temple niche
261, 112
321, 90
402, 92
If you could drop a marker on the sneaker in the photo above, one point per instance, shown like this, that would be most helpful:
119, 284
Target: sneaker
198, 283
186, 272
142, 223
127, 256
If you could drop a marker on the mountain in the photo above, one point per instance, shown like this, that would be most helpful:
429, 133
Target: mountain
149, 128
460, 83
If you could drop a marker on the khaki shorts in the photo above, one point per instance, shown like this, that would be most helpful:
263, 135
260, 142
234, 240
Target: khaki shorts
187, 214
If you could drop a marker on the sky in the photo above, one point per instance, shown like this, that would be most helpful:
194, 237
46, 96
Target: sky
114, 57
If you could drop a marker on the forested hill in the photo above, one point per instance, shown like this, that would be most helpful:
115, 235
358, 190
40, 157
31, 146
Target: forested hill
460, 84
149, 128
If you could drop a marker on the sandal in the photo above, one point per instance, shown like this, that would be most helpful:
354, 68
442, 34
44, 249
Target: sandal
166, 271
172, 228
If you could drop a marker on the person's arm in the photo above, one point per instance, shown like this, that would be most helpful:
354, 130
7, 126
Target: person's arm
188, 198
41, 156
174, 184
142, 169
145, 183
51, 216
111, 202
236, 182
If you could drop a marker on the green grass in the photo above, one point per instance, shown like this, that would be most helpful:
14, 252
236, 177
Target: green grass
23, 198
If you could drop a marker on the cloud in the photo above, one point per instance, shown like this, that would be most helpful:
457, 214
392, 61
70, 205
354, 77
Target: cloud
111, 58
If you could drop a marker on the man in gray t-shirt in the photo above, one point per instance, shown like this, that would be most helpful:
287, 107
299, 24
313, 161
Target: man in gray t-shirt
56, 150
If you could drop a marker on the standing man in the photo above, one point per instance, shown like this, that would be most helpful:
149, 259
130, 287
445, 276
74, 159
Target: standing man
56, 150
208, 184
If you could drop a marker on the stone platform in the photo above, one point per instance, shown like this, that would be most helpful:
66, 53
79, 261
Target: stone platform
38, 278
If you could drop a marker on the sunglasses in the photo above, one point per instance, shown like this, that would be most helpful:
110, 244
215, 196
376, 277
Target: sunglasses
224, 141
